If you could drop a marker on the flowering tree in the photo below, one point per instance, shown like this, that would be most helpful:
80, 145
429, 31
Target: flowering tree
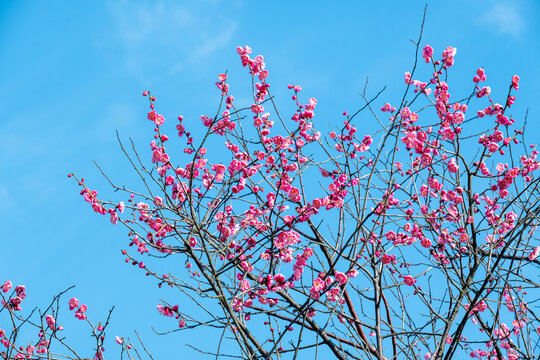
415, 241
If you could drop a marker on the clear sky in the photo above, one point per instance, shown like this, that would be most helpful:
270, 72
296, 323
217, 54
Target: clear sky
72, 72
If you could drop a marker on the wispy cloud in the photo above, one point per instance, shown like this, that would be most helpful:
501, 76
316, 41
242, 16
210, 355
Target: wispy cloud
504, 19
163, 33
212, 44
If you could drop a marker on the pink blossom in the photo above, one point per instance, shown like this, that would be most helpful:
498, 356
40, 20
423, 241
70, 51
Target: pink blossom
113, 217
7, 286
158, 201
409, 280
534, 254
158, 119
242, 51
79, 315
427, 53
448, 56
452, 166
294, 194
486, 90
119, 340
480, 76
493, 147
515, 82
407, 77
50, 321
99, 209
73, 303
257, 109
387, 259
388, 108
341, 278
318, 285
20, 290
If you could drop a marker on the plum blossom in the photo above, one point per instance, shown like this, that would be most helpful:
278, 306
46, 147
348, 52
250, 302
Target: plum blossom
515, 82
286, 238
486, 90
409, 280
448, 56
534, 254
341, 278
452, 166
427, 53
480, 76
6, 286
50, 321
158, 119
73, 303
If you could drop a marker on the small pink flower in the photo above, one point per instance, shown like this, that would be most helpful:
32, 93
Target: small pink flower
493, 147
425, 243
407, 77
486, 90
481, 76
427, 53
534, 254
7, 286
20, 290
257, 109
114, 217
409, 280
73, 303
387, 259
79, 315
448, 56
318, 285
50, 321
158, 201
341, 278
158, 119
119, 340
452, 166
515, 82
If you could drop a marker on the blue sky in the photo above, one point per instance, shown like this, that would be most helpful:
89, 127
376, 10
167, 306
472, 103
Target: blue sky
73, 72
